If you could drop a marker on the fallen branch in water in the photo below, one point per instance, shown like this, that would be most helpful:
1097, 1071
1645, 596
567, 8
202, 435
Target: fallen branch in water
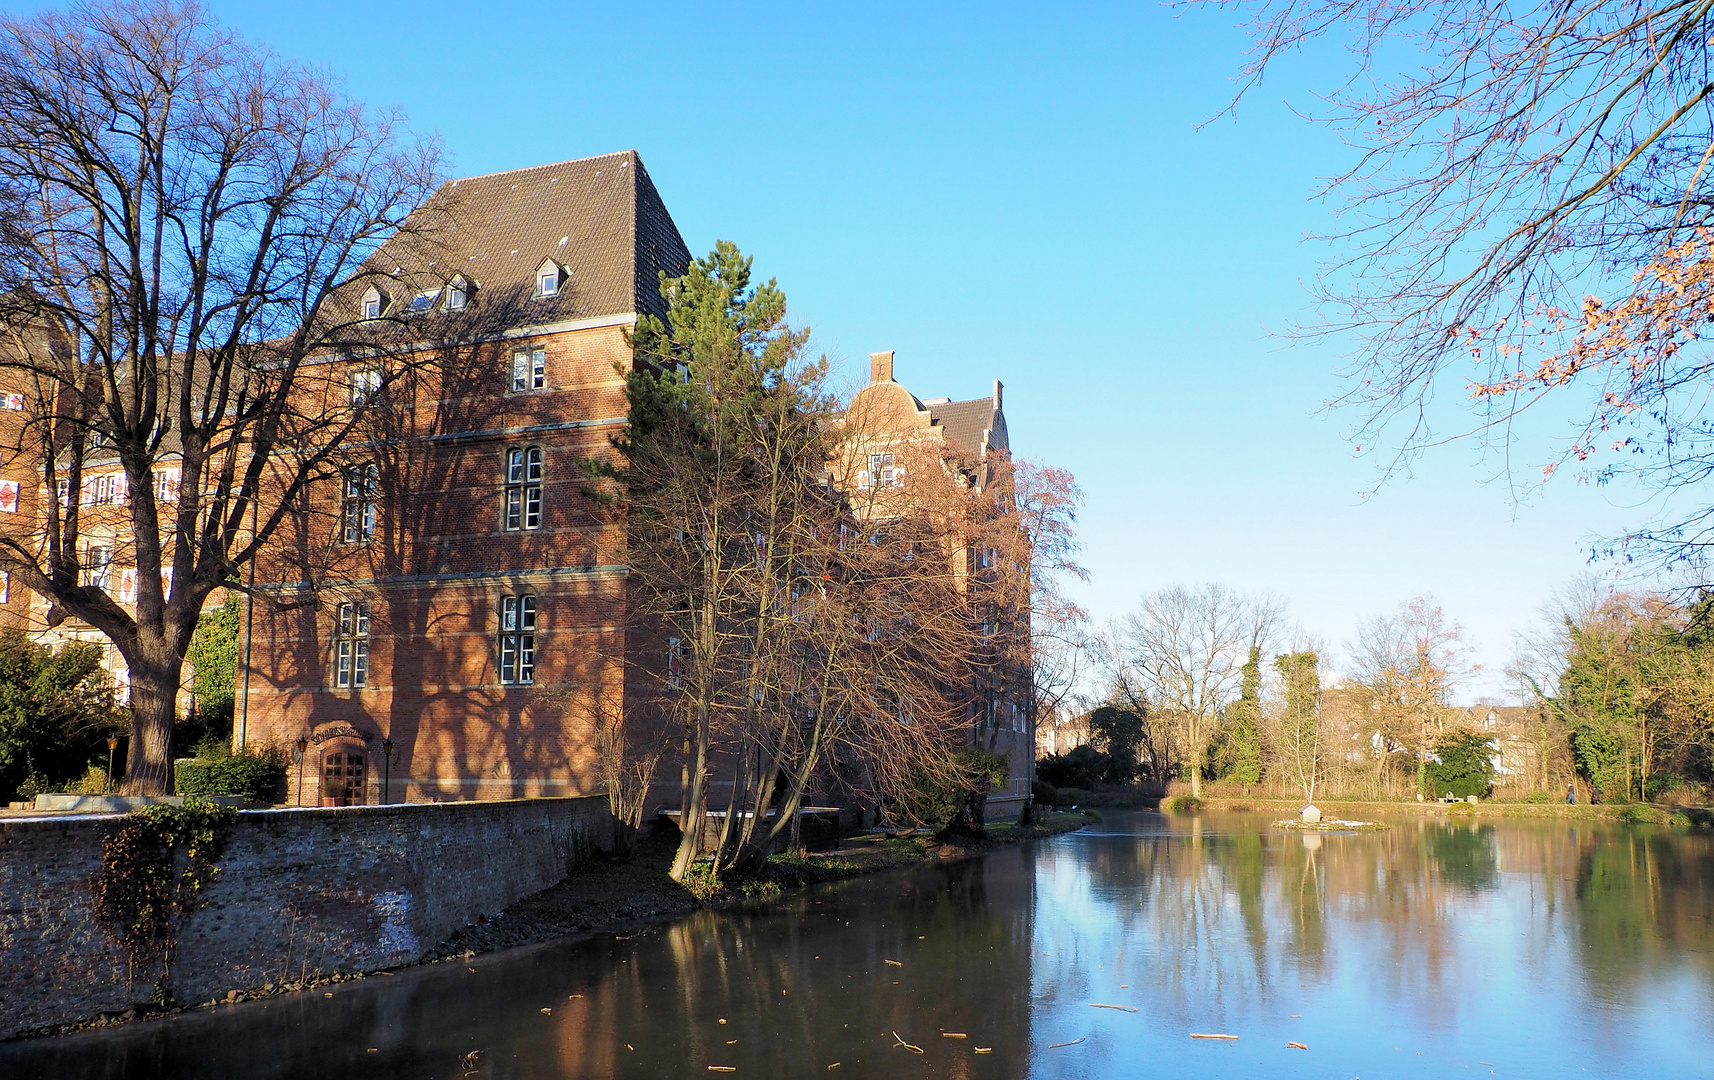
1121, 1008
1296, 1046
906, 1045
1234, 1038
1073, 1042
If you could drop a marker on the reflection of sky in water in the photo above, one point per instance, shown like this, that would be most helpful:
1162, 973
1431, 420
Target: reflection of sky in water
1425, 950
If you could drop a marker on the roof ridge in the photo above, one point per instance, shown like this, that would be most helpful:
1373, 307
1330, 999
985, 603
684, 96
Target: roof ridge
550, 165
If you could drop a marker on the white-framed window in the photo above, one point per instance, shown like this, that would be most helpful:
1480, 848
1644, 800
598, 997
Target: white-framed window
365, 384
987, 558
166, 485
518, 639
547, 279
523, 488
97, 565
358, 520
422, 301
351, 646
882, 471
374, 303
63, 493
675, 663
529, 369
457, 295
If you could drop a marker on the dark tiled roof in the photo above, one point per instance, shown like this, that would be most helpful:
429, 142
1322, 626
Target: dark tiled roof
966, 423
600, 218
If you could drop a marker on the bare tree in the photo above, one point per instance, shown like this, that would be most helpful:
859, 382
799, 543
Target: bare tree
1528, 160
1410, 661
177, 209
1183, 651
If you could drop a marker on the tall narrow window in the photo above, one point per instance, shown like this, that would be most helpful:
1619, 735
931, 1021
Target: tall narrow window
675, 663
359, 519
529, 369
524, 488
351, 646
457, 294
518, 639
97, 565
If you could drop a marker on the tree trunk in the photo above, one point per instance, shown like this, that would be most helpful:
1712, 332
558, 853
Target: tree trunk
154, 694
695, 802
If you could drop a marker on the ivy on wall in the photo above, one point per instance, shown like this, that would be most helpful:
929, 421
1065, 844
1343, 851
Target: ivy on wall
155, 865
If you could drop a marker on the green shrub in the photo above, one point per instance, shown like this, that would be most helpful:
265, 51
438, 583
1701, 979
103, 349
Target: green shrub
1044, 793
1539, 797
1661, 785
1182, 804
1465, 767
256, 775
1082, 767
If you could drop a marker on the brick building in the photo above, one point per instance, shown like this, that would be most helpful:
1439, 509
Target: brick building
449, 615
889, 430
457, 602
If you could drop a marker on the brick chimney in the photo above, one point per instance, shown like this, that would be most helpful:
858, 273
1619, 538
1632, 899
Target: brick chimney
881, 367
998, 388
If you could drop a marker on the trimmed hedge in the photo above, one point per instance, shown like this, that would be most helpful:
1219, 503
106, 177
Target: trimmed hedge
256, 777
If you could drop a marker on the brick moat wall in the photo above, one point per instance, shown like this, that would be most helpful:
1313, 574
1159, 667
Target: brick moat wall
299, 891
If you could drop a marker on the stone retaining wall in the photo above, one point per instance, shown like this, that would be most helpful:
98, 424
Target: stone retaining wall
299, 891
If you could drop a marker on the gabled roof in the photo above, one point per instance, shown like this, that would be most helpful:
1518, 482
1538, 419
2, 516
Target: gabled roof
972, 425
599, 217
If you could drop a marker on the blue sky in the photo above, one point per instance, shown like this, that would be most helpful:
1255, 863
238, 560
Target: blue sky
1022, 193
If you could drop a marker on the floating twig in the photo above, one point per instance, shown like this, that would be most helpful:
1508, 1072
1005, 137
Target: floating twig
723, 1068
1121, 1008
906, 1045
1233, 1038
895, 963
1296, 1046
953, 1035
984, 1049
1073, 1042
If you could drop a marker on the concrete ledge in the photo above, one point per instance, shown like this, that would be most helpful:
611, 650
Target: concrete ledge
119, 804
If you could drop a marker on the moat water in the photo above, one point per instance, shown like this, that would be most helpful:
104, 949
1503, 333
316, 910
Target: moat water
1431, 949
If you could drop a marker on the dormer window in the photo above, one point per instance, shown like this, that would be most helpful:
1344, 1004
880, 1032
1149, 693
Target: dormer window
548, 279
423, 301
458, 294
374, 303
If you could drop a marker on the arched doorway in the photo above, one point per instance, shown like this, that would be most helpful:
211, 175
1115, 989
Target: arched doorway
341, 774
344, 771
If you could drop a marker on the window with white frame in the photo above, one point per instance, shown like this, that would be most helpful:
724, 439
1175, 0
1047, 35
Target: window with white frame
351, 646
97, 565
63, 493
374, 303
457, 295
675, 663
358, 523
518, 639
523, 488
529, 369
882, 470
166, 485
547, 279
102, 489
365, 384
